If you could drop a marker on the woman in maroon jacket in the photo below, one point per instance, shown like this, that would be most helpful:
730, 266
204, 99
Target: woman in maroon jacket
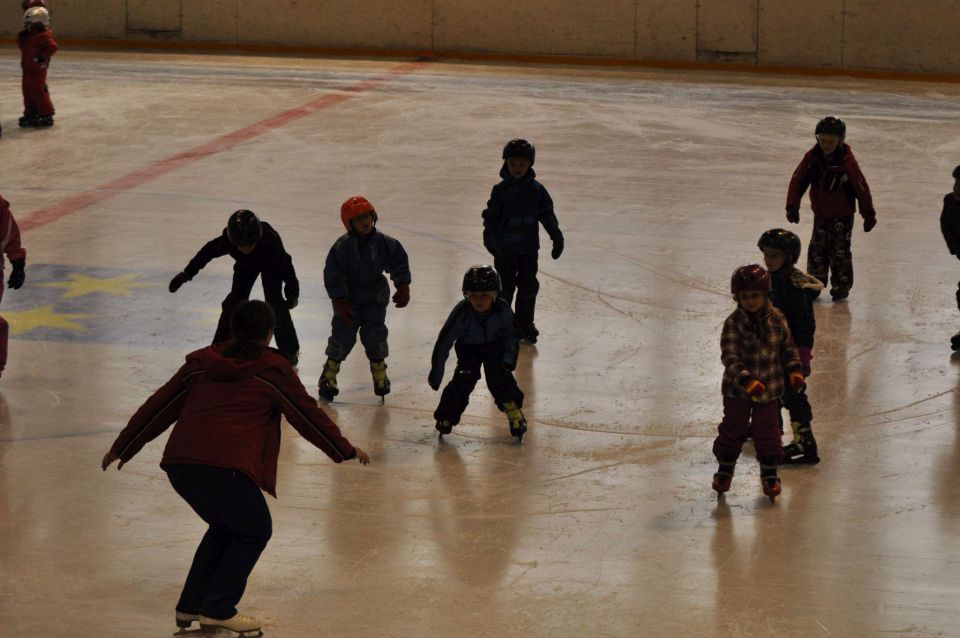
226, 401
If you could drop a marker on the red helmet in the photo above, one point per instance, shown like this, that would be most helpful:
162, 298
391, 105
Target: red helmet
752, 278
355, 207
29, 4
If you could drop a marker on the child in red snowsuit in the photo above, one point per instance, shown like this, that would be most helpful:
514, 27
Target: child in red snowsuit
37, 46
227, 400
10, 245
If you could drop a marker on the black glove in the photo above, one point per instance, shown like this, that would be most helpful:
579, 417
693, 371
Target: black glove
292, 302
557, 247
434, 379
491, 245
793, 214
869, 223
18, 276
178, 281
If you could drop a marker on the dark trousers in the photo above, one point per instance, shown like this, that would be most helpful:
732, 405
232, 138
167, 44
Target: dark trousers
796, 403
36, 95
371, 323
240, 526
243, 280
500, 381
829, 252
743, 418
519, 273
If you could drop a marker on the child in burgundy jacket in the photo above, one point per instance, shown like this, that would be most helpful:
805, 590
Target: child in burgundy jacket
836, 185
227, 401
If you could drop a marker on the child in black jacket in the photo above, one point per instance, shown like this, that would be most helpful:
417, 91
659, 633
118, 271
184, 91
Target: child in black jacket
792, 293
481, 329
511, 231
258, 251
950, 227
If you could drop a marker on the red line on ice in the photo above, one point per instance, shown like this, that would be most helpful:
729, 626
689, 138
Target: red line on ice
80, 201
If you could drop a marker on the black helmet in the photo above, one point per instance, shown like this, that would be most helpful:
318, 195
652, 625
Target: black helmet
482, 278
831, 126
784, 241
243, 228
520, 148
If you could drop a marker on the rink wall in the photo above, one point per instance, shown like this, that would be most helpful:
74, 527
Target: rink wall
914, 36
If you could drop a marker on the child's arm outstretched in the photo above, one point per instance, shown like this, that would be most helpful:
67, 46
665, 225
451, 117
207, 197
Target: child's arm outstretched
211, 250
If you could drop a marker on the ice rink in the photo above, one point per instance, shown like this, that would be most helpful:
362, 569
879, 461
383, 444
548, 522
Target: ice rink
603, 522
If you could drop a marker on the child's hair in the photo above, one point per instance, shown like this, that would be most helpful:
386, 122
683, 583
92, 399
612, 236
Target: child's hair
250, 323
956, 172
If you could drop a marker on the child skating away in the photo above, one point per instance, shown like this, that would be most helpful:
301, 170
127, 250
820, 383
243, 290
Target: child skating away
950, 227
792, 293
836, 185
511, 231
757, 352
482, 331
10, 242
258, 252
353, 277
226, 401
37, 46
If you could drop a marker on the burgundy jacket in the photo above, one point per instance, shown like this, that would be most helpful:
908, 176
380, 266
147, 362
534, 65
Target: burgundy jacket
36, 44
836, 184
227, 412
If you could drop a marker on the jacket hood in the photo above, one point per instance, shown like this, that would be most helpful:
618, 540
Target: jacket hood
505, 174
223, 368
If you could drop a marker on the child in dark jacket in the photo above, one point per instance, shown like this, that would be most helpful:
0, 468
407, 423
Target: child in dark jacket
511, 231
10, 245
757, 353
37, 46
793, 292
950, 227
836, 184
226, 401
482, 331
353, 277
258, 252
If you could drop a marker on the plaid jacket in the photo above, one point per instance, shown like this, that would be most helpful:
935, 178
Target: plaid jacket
758, 347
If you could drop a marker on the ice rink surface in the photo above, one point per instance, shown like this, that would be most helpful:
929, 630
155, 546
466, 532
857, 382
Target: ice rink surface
603, 522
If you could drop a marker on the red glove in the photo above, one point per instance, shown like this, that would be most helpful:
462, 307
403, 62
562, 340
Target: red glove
402, 296
755, 389
797, 382
806, 354
345, 311
793, 214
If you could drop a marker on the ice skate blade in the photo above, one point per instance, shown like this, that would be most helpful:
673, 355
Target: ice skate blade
215, 631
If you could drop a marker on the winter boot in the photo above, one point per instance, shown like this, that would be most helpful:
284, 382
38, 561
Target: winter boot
724, 475
443, 427
518, 424
768, 477
245, 626
529, 333
381, 384
328, 380
839, 295
803, 448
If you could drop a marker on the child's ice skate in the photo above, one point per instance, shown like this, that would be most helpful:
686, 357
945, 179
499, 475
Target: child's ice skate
381, 384
184, 621
26, 120
724, 475
803, 449
518, 424
955, 342
839, 295
443, 427
42, 121
293, 358
328, 380
241, 625
529, 334
768, 477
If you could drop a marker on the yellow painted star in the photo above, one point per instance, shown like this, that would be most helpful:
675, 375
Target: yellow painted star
44, 317
80, 285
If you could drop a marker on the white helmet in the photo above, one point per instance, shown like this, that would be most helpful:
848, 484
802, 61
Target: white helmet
37, 15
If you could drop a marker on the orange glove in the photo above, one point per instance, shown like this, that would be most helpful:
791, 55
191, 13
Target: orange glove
755, 389
797, 382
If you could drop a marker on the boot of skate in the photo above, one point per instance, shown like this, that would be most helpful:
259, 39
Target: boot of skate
328, 380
